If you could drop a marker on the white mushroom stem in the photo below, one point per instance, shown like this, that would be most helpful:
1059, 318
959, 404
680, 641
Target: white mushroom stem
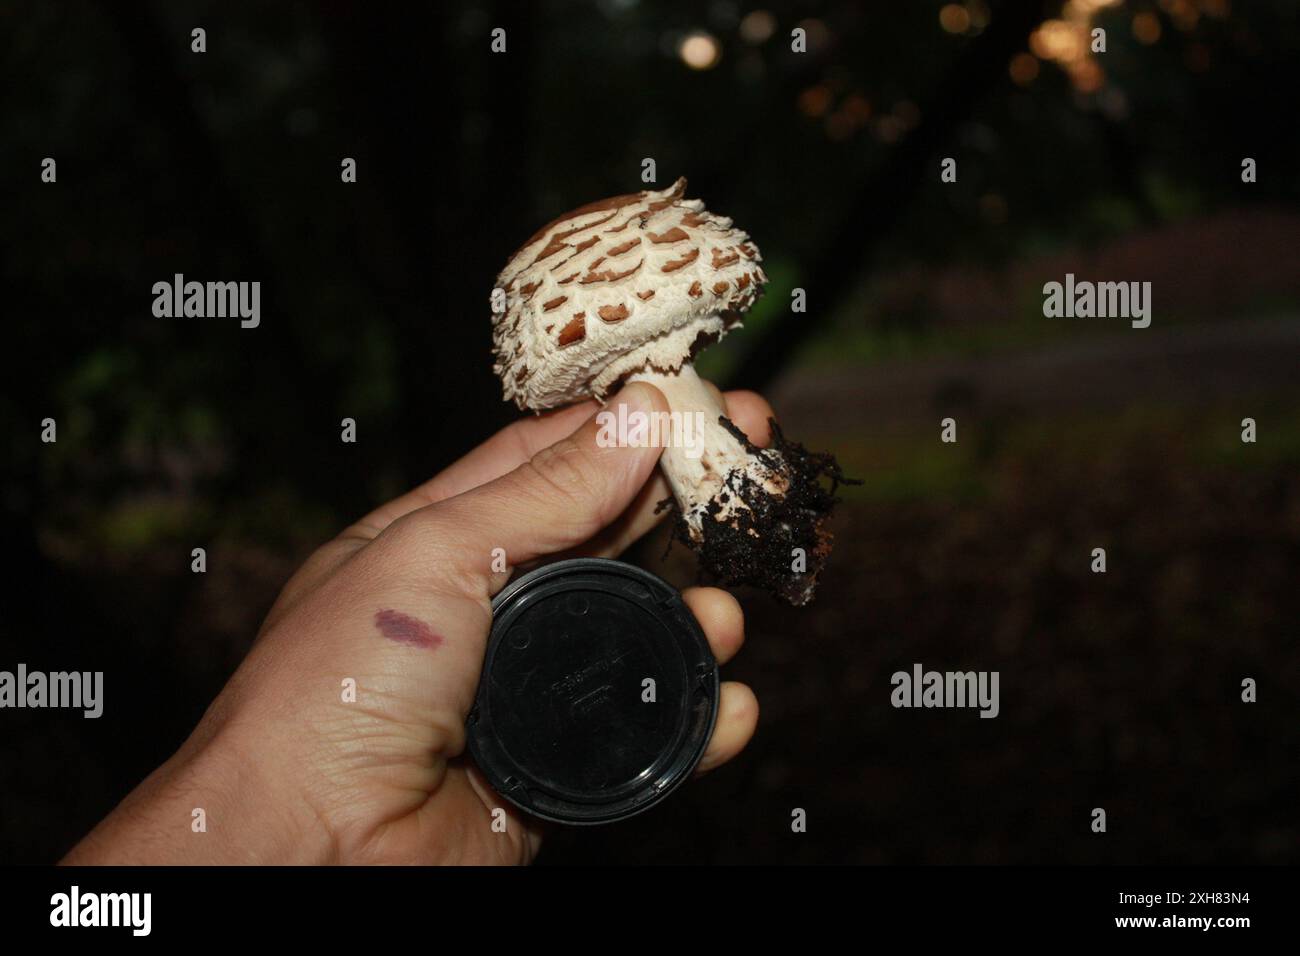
705, 464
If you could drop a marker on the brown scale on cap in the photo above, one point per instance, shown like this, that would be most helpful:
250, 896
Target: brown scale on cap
610, 275
557, 243
575, 331
681, 263
623, 247
675, 234
722, 260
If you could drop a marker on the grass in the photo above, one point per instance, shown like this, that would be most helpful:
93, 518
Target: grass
912, 464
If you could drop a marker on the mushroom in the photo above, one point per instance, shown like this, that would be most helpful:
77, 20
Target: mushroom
632, 288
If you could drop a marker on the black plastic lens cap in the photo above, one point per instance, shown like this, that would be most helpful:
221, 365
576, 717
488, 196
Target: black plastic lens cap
598, 695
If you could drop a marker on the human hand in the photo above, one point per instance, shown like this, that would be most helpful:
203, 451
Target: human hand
287, 771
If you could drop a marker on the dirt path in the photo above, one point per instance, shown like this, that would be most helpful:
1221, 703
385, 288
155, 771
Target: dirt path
1188, 363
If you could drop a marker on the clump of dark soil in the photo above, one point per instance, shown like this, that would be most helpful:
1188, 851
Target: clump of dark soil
758, 547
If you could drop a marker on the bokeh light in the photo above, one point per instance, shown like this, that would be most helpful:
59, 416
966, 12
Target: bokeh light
699, 50
757, 26
1023, 68
954, 18
979, 14
814, 101
1146, 27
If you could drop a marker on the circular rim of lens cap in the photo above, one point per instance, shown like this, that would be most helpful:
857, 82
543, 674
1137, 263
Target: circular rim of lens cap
546, 800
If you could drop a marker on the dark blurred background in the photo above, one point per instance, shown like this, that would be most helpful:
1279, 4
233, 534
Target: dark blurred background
1119, 690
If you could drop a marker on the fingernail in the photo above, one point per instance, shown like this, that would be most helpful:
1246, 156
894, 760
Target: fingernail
636, 397
628, 418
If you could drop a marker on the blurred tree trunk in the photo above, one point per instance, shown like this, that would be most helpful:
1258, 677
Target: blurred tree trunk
885, 197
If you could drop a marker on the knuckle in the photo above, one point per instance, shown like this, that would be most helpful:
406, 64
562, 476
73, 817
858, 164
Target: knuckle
418, 537
409, 528
429, 546
568, 470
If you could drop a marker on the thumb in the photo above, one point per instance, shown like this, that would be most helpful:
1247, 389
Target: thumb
558, 499
404, 585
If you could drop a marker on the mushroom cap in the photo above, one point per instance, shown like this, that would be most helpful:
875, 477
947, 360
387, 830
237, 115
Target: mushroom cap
629, 283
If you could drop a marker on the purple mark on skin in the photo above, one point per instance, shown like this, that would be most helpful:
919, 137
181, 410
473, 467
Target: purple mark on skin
405, 629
